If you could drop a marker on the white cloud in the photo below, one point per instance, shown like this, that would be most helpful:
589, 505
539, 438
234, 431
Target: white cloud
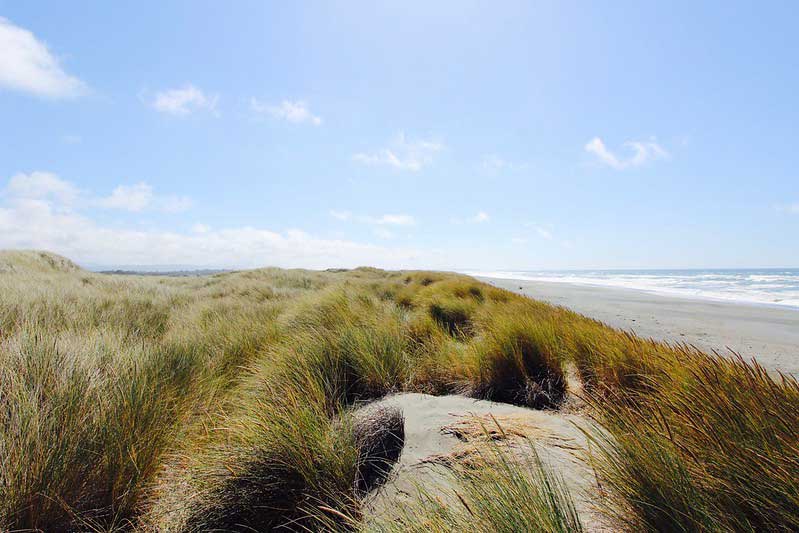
495, 163
140, 196
543, 233
27, 65
72, 139
642, 153
383, 220
790, 208
383, 233
172, 204
200, 228
42, 186
340, 215
291, 111
479, 218
128, 198
48, 188
518, 240
184, 101
32, 216
395, 220
402, 154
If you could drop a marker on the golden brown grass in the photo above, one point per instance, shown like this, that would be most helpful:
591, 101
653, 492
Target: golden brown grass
183, 404
495, 491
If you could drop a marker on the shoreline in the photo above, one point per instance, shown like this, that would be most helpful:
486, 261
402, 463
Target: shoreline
768, 333
666, 293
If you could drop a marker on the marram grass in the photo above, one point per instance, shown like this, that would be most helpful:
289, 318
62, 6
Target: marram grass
497, 491
224, 402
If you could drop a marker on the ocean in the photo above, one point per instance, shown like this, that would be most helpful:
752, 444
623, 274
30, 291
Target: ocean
755, 286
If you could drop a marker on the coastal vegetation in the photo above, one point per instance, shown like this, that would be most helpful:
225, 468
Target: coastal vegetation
230, 402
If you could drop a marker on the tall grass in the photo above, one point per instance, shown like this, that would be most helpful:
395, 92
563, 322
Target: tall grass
714, 446
83, 427
186, 404
281, 459
517, 360
498, 492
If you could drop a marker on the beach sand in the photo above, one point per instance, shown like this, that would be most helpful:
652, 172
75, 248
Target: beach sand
768, 334
430, 443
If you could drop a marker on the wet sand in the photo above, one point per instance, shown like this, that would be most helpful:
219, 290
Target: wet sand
768, 334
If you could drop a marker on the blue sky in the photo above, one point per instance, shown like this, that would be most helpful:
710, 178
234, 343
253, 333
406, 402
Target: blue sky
470, 135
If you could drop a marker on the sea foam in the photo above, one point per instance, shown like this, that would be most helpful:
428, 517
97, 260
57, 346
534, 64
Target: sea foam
766, 287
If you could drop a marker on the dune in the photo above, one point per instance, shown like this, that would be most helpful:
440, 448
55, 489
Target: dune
441, 430
234, 402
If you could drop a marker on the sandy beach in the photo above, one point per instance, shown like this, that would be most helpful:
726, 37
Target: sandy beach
769, 334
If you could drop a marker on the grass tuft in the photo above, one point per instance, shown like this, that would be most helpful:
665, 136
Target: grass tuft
499, 492
517, 361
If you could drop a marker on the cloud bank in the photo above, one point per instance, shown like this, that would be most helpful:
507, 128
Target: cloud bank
42, 211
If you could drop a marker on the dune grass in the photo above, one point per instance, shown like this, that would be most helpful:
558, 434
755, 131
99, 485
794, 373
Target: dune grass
84, 423
225, 401
495, 492
713, 446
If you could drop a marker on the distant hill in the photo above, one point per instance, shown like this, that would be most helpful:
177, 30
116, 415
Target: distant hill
39, 261
170, 273
35, 261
